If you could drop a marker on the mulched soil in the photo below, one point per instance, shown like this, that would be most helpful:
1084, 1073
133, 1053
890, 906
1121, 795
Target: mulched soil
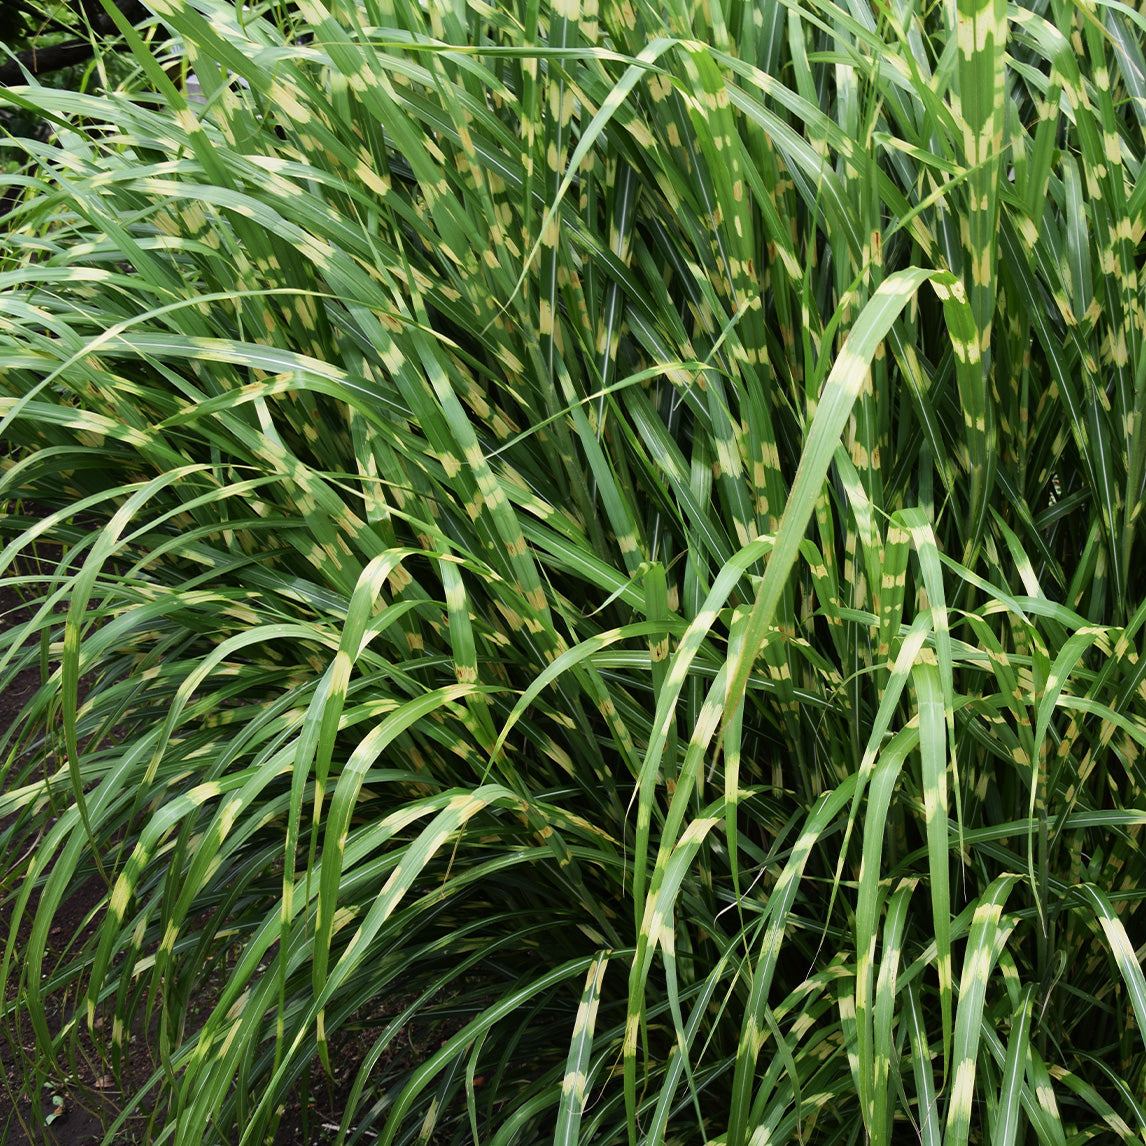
76, 1108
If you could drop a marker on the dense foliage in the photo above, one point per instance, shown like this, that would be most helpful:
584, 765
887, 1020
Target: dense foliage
616, 525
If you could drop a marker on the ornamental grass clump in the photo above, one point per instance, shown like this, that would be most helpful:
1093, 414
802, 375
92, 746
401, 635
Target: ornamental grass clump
617, 524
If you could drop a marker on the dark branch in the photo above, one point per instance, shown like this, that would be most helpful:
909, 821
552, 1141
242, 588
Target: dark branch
39, 62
